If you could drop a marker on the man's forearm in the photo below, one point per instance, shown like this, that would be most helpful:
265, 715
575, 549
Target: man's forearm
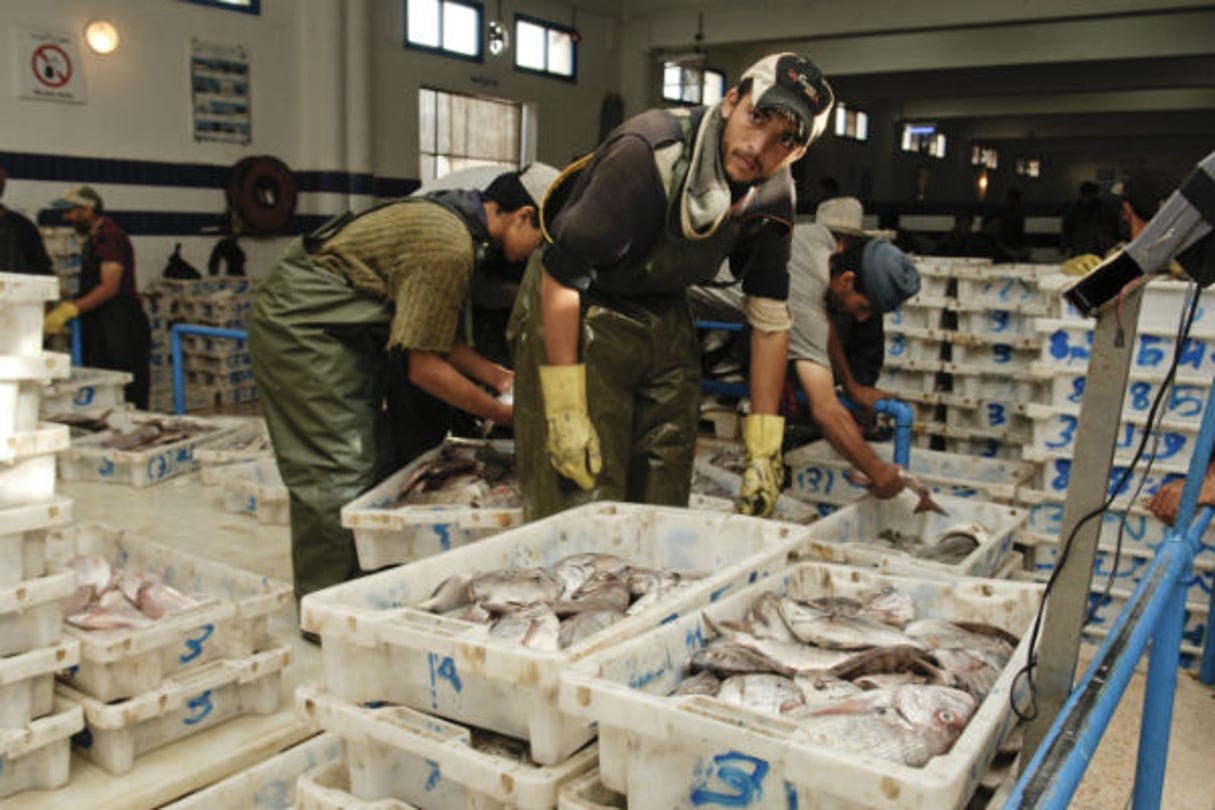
561, 312
769, 355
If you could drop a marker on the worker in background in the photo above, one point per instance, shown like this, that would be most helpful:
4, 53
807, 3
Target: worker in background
21, 247
1139, 197
336, 301
114, 328
604, 344
419, 421
837, 272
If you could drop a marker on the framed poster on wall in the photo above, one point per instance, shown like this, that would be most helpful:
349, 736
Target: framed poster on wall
219, 85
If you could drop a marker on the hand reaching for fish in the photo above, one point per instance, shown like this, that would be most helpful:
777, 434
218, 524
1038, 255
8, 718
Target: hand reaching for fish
927, 502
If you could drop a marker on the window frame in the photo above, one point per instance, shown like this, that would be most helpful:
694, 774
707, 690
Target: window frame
547, 25
439, 50
519, 160
856, 114
928, 149
705, 70
254, 7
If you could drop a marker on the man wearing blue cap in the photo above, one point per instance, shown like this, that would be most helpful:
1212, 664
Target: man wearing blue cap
115, 333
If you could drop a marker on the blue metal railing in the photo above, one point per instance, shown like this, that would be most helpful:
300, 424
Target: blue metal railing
1155, 613
77, 342
179, 373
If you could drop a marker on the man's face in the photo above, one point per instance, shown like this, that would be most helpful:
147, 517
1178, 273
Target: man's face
80, 218
522, 236
842, 296
755, 144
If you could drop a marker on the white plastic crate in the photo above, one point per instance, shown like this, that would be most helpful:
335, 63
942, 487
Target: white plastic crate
920, 312
669, 753
817, 474
997, 324
22, 301
29, 612
190, 702
917, 346
1000, 354
1000, 449
1004, 417
588, 793
219, 309
902, 380
1014, 386
212, 346
1052, 473
183, 289
1058, 307
232, 621
1068, 345
249, 441
86, 390
858, 527
328, 788
23, 538
27, 464
22, 383
1164, 302
256, 488
723, 480
231, 378
1106, 609
1054, 433
1184, 404
38, 756
26, 682
269, 784
217, 363
91, 459
375, 646
399, 753
934, 280
1004, 286
385, 534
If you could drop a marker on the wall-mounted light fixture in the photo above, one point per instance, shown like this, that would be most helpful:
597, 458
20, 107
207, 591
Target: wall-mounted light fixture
101, 36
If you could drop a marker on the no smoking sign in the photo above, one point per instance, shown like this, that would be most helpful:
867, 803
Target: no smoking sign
48, 66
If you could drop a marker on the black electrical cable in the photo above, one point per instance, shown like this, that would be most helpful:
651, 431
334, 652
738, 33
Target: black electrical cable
1027, 671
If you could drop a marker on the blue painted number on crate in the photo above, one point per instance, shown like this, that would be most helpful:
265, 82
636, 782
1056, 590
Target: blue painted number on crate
194, 644
106, 468
274, 795
84, 395
998, 320
1002, 353
733, 779
201, 707
434, 777
444, 532
442, 668
995, 414
158, 467
1063, 471
1141, 395
1186, 400
1077, 393
1066, 433
816, 480
1062, 349
898, 346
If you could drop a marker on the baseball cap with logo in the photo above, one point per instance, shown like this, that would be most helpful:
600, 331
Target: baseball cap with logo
795, 86
78, 197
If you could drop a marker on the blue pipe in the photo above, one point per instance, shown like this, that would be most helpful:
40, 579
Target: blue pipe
903, 417
728, 326
179, 373
77, 342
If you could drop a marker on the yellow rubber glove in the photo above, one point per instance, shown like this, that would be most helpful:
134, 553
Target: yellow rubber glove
1080, 265
765, 471
573, 445
58, 317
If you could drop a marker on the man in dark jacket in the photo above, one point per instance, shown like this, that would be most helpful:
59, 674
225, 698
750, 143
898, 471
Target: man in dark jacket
21, 248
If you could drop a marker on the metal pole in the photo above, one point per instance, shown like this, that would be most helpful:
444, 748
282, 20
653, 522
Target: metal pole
1096, 436
179, 373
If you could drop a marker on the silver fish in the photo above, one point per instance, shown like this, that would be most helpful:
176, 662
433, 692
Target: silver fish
835, 631
907, 724
945, 634
581, 626
506, 590
761, 691
111, 611
891, 606
765, 619
897, 659
644, 580
726, 658
783, 657
658, 595
472, 612
702, 683
887, 680
449, 594
951, 547
535, 626
823, 690
602, 591
976, 671
157, 599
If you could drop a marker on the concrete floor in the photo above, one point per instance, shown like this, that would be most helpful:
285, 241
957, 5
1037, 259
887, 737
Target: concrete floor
183, 513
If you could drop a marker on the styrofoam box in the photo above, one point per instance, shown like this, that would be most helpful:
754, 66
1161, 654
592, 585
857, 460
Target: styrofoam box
269, 784
183, 289
38, 756
27, 464
667, 753
85, 389
917, 346
901, 380
256, 488
920, 312
858, 526
818, 473
1068, 344
23, 538
399, 753
1185, 403
1142, 532
22, 383
212, 346
218, 308
588, 793
189, 702
328, 788
1004, 286
89, 459
29, 612
1013, 386
388, 536
1054, 431
1052, 473
376, 647
233, 622
26, 682
248, 441
22, 301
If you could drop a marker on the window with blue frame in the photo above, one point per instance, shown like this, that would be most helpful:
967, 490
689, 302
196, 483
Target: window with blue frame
451, 27
243, 6
546, 48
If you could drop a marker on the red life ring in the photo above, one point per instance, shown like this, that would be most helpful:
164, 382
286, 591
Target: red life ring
262, 192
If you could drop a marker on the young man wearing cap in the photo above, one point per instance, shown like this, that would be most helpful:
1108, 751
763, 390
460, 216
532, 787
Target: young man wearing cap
397, 275
604, 345
21, 247
114, 329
